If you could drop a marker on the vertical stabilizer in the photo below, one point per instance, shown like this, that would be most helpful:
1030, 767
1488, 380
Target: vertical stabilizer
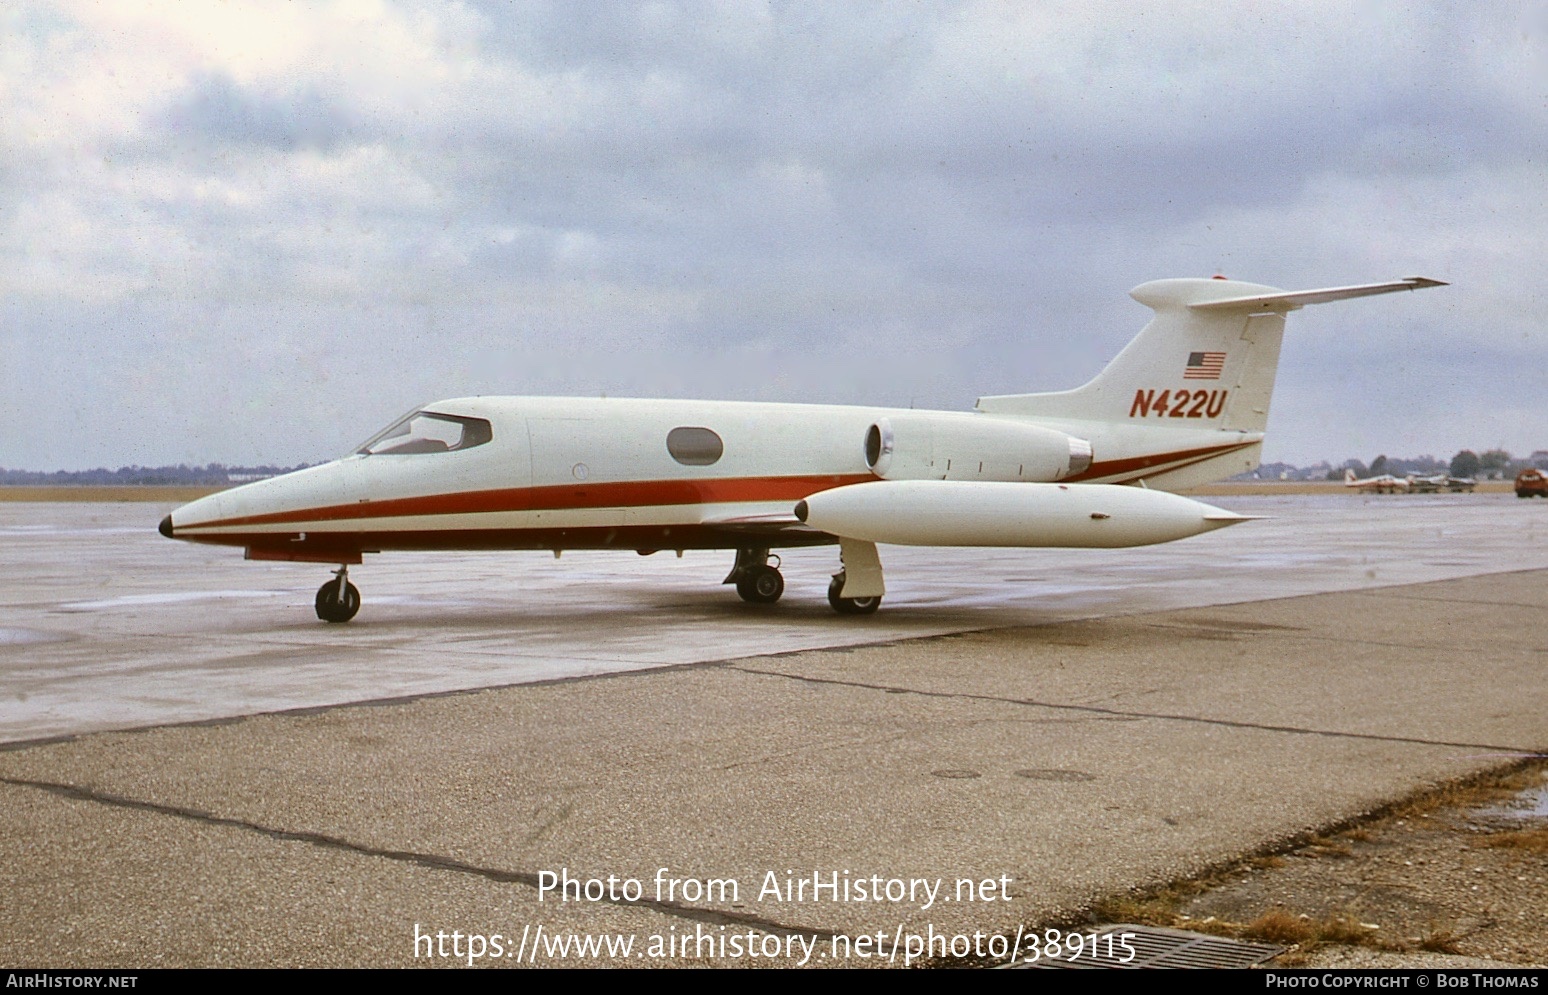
1187, 368
1207, 359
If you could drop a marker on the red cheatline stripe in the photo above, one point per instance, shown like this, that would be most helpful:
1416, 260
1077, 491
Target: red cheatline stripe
643, 494
1116, 467
623, 494
347, 547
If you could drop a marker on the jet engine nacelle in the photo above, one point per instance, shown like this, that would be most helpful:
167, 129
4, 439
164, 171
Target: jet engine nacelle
971, 447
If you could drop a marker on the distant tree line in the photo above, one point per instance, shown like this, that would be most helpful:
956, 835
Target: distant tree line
182, 475
1492, 464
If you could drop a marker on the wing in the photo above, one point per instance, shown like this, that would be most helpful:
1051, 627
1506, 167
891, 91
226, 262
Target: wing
780, 528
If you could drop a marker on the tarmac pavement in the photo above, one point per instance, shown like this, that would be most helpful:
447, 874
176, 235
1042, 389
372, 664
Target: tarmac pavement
864, 800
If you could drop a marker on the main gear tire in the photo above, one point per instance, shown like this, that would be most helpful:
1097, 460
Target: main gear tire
761, 586
850, 606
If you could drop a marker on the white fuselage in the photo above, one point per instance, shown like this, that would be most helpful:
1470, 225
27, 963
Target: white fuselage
576, 473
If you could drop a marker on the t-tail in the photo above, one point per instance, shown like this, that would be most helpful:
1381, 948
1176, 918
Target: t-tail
1187, 401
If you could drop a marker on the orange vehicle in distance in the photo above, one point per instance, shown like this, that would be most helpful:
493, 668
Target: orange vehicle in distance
1532, 483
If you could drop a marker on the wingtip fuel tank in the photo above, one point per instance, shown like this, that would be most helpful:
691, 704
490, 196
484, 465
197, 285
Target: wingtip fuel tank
976, 513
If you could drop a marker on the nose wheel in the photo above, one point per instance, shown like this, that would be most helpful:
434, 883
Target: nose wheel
338, 600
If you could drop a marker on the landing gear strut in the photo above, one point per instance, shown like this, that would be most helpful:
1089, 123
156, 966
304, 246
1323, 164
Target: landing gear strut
338, 600
757, 581
859, 577
850, 606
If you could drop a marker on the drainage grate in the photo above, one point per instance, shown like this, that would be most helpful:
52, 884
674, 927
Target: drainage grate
1157, 947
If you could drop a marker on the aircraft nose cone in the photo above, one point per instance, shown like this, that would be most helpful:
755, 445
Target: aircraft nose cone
166, 527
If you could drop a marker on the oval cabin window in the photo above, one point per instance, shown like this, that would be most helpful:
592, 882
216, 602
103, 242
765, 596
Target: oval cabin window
694, 446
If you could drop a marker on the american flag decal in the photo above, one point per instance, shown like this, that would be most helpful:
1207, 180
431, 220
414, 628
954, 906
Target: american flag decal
1204, 366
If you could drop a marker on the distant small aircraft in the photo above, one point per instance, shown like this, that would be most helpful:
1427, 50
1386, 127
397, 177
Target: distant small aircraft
1436, 483
1185, 403
1384, 484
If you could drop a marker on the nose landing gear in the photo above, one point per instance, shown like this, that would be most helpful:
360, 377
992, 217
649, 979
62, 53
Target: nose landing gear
338, 600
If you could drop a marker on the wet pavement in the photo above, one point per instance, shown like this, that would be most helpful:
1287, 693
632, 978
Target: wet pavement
108, 625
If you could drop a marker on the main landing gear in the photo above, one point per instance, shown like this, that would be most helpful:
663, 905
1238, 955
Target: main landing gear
850, 606
338, 600
757, 581
856, 589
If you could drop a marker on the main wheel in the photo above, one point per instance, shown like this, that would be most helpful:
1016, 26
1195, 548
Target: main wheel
761, 585
850, 606
329, 606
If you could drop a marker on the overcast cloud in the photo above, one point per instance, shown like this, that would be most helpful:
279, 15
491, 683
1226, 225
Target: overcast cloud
255, 232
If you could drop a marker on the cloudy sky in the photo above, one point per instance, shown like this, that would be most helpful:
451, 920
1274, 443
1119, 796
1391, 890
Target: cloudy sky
257, 232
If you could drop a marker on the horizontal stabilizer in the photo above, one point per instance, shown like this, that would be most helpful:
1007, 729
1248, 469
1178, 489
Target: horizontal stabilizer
1300, 298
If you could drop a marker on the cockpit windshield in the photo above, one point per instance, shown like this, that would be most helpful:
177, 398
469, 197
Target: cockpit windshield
428, 432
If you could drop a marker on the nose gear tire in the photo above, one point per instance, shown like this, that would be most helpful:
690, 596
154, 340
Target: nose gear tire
329, 606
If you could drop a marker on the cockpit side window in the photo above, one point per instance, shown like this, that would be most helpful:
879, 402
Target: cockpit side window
428, 432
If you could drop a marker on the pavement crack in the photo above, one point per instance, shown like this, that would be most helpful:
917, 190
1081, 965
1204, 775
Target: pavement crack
431, 861
1132, 714
1488, 602
1313, 637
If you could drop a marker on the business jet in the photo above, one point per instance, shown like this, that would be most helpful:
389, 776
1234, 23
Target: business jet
1185, 403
